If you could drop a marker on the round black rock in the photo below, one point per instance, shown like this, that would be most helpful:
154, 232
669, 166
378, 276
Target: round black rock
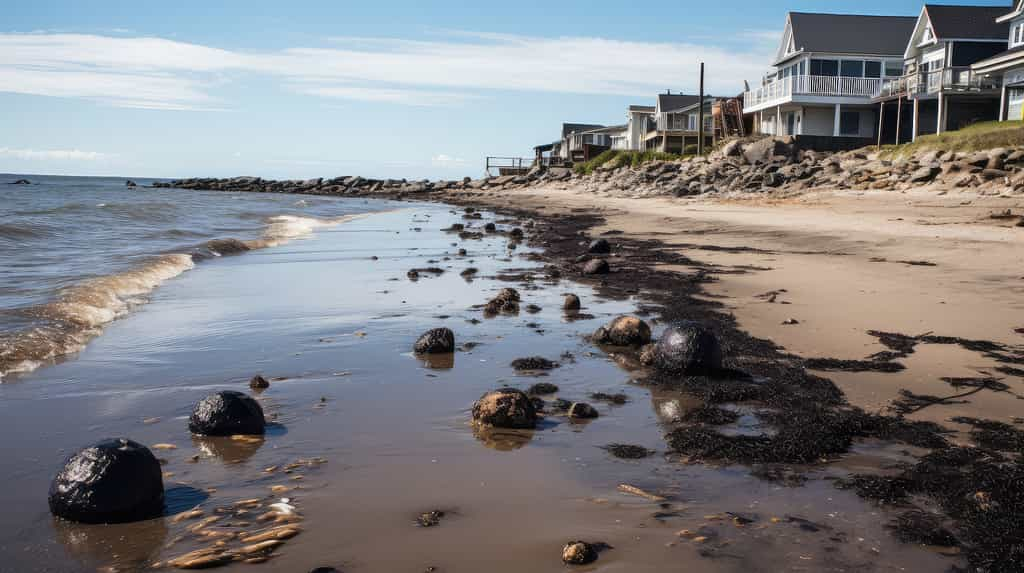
225, 414
113, 481
571, 302
582, 411
435, 341
599, 247
259, 383
596, 267
688, 348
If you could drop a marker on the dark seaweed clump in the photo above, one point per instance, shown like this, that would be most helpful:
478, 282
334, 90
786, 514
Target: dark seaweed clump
920, 527
801, 437
711, 415
618, 398
980, 489
542, 388
994, 435
534, 363
837, 365
628, 451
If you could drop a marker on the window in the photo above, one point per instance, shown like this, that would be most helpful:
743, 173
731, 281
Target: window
928, 34
803, 67
893, 68
693, 122
824, 68
852, 69
1017, 31
849, 123
872, 69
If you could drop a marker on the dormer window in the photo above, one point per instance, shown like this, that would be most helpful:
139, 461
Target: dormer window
1017, 34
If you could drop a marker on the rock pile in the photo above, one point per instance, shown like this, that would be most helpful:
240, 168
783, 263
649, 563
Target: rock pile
752, 165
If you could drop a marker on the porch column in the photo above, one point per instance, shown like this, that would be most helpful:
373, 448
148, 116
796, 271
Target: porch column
778, 120
917, 112
835, 120
899, 117
940, 115
1002, 102
881, 119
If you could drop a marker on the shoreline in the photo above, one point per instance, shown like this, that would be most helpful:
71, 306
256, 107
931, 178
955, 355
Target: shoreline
672, 285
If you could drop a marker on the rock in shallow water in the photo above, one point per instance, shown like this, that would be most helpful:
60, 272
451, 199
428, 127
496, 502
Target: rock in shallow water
582, 411
505, 408
687, 348
225, 414
113, 481
435, 341
578, 553
571, 302
624, 331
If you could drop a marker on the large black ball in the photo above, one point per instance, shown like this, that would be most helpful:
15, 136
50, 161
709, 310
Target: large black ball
227, 413
114, 481
688, 348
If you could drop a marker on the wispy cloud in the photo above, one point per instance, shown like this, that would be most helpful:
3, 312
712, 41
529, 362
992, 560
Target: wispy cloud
53, 154
158, 73
447, 161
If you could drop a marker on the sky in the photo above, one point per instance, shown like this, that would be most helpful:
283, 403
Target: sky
404, 88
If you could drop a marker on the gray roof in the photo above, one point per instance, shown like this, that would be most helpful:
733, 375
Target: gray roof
851, 34
709, 100
967, 22
668, 102
641, 108
568, 128
608, 129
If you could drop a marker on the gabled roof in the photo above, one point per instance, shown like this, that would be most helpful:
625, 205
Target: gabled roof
668, 102
708, 101
967, 22
1018, 9
1011, 58
568, 128
850, 33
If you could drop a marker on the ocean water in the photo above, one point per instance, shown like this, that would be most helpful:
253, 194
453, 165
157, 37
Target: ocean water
79, 252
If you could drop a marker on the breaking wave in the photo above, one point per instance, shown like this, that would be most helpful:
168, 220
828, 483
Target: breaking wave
78, 313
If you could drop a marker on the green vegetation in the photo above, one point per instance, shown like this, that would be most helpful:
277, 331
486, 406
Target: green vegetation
615, 158
977, 137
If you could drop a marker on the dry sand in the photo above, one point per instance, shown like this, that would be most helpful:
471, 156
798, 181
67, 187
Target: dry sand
842, 258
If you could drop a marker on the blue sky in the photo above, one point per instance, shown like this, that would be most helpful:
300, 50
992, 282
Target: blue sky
385, 88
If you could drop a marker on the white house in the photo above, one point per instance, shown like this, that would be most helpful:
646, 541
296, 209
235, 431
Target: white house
1007, 67
827, 70
640, 118
946, 94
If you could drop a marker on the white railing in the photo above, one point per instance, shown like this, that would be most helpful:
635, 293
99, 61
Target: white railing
959, 79
837, 86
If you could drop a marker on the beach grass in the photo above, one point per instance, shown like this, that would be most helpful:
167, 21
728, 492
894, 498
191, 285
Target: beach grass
977, 137
615, 158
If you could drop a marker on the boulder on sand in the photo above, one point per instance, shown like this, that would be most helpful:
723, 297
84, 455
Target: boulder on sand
687, 348
596, 267
505, 408
225, 414
435, 341
114, 481
624, 331
599, 247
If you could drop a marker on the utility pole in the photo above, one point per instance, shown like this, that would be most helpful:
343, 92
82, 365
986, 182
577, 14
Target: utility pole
700, 114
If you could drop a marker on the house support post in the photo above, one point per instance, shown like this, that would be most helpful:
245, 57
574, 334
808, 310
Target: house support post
881, 118
899, 116
940, 114
778, 120
917, 117
1002, 102
835, 120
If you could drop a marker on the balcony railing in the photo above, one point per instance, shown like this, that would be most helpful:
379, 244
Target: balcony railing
838, 86
954, 79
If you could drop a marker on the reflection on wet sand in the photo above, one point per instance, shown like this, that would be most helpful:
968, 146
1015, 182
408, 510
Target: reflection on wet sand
229, 449
120, 547
444, 361
503, 440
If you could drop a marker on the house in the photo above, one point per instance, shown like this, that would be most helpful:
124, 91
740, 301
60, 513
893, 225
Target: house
1007, 67
938, 80
563, 149
640, 120
827, 70
675, 123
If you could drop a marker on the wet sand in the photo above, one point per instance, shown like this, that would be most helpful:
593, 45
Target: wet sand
332, 330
